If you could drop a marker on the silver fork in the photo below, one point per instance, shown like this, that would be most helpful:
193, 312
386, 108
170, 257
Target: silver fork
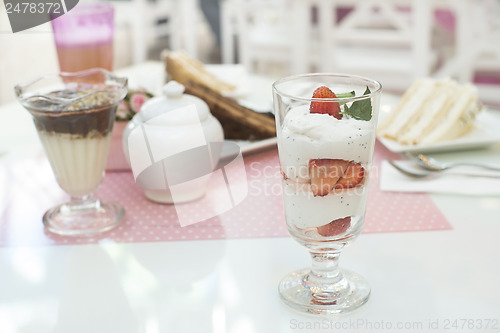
431, 175
413, 174
432, 164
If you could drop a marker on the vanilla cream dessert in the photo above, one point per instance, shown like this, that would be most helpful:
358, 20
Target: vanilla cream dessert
78, 162
317, 137
431, 111
77, 139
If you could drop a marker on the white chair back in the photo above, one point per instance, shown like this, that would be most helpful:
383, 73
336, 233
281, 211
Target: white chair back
150, 20
388, 40
477, 45
271, 35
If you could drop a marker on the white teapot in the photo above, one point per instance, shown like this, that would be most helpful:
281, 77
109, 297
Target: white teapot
173, 144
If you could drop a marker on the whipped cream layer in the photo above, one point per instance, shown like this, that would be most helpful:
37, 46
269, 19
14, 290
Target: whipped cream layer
308, 136
303, 210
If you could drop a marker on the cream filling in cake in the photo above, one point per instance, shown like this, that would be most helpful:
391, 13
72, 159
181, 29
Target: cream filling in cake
432, 111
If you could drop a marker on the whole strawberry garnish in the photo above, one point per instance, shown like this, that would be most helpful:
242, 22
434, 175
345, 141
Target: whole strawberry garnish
327, 107
336, 227
352, 176
325, 173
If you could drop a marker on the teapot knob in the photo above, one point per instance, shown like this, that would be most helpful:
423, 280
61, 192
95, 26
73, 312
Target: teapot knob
173, 89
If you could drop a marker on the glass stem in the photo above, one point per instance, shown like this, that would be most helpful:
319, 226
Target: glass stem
325, 281
83, 198
325, 268
85, 202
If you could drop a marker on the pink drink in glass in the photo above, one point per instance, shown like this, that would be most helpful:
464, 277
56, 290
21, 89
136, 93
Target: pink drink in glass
84, 37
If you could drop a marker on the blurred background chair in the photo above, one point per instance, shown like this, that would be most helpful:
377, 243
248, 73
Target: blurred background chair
394, 41
388, 40
476, 51
268, 36
228, 30
150, 20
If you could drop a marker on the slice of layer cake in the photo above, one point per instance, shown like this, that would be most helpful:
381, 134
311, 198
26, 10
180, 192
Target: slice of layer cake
431, 111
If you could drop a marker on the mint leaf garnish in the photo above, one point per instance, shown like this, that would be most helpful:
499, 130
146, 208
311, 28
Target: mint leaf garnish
346, 94
361, 110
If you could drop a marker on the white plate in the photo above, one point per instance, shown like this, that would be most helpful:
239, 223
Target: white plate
252, 91
234, 74
252, 147
485, 133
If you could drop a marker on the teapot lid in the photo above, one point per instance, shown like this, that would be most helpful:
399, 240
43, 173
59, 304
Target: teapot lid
173, 89
173, 99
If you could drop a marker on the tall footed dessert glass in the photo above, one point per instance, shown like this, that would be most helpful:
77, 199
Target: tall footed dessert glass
74, 117
326, 134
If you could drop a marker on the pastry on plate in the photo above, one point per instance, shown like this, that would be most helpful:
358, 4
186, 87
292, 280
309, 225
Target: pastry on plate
182, 68
239, 122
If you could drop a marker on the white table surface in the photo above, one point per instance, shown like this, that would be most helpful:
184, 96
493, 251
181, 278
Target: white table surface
421, 281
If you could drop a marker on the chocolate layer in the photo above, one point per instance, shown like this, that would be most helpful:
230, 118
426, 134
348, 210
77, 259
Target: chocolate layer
79, 123
78, 120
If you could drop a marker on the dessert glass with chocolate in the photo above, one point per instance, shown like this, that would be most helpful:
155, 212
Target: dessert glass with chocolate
74, 118
326, 134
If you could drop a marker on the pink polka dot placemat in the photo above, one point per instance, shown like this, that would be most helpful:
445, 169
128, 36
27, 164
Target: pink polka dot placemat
30, 189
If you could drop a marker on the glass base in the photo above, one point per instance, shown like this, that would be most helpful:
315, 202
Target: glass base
84, 218
348, 293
